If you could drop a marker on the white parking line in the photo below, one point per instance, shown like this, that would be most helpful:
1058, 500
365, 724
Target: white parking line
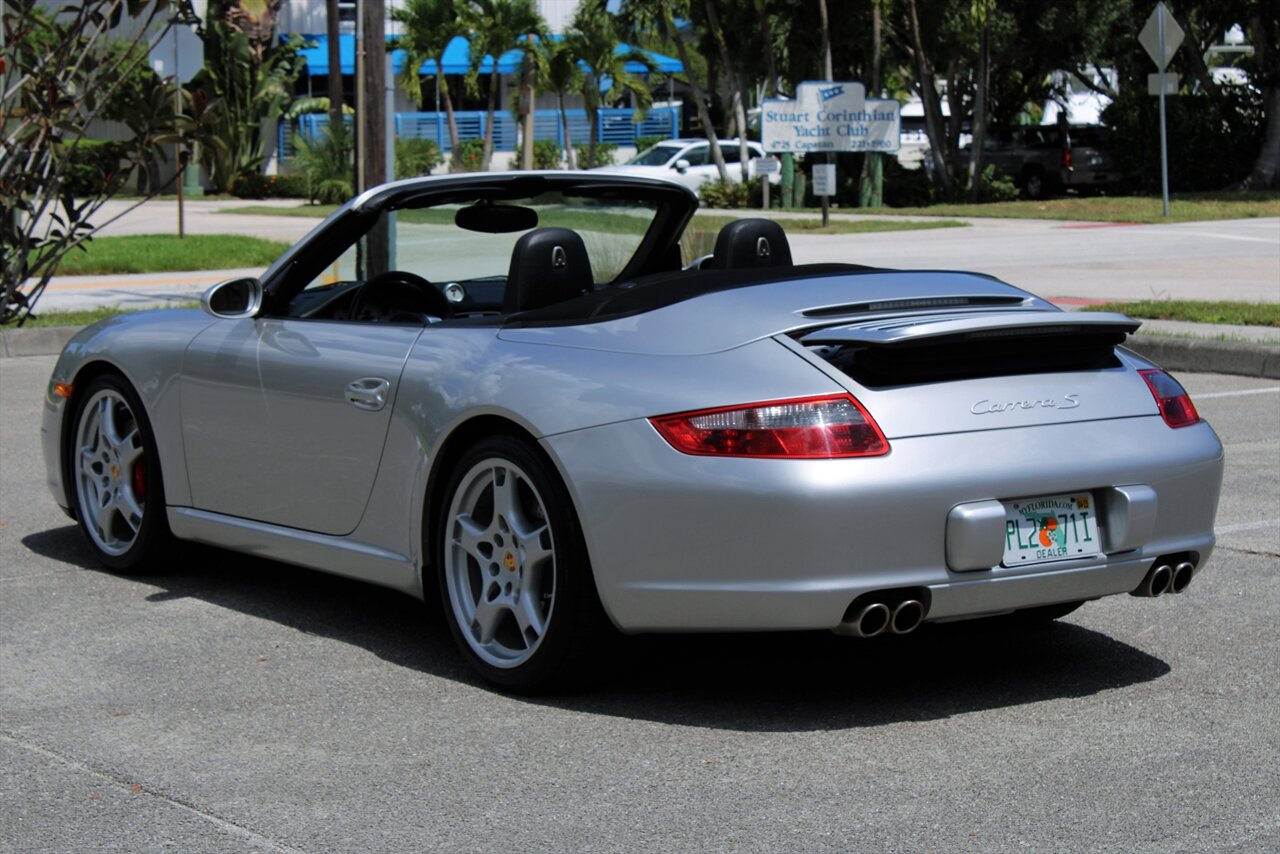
1218, 235
1246, 526
1241, 393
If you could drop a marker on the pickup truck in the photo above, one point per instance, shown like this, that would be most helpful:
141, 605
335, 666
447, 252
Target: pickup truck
1046, 159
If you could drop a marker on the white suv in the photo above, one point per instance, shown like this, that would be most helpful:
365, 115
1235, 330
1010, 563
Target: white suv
687, 161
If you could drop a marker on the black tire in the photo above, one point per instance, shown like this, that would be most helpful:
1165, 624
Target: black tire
515, 582
115, 483
1033, 186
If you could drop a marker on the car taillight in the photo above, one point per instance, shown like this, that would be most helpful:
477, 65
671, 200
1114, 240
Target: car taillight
1175, 404
805, 428
1066, 158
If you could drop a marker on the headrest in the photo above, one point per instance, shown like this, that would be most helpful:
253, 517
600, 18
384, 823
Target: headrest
548, 266
750, 243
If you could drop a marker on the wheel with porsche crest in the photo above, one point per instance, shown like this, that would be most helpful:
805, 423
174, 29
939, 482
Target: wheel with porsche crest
517, 588
115, 471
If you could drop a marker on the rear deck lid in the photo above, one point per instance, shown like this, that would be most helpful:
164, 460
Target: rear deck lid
942, 374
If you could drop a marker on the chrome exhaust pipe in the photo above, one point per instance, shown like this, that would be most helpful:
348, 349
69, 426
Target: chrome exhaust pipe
871, 620
907, 617
1156, 582
1182, 575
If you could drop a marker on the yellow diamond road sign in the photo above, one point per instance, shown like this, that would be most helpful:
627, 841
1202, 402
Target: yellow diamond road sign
1151, 40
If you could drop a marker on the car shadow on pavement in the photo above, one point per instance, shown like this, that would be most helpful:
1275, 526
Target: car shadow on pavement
754, 682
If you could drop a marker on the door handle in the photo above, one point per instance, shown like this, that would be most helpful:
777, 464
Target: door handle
368, 393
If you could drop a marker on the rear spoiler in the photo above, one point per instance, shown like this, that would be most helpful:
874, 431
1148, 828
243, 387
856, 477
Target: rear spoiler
987, 326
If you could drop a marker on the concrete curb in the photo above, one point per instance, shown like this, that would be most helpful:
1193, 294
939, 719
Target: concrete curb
47, 341
1197, 355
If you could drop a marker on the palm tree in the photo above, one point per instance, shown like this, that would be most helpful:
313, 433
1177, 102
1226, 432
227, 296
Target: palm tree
499, 26
735, 86
554, 67
429, 27
593, 41
649, 15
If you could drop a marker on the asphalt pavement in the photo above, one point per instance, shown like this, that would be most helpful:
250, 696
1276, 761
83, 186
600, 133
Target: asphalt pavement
236, 704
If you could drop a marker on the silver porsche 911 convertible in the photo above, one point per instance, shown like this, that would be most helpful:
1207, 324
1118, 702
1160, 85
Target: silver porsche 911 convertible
523, 391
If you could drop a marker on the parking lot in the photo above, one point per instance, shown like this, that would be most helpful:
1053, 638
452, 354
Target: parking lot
237, 704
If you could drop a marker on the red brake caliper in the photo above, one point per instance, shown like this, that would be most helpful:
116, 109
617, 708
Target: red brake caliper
140, 479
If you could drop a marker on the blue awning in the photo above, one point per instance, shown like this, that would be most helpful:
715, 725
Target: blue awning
316, 54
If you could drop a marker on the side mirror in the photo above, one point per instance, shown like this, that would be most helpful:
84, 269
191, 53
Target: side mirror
682, 166
233, 299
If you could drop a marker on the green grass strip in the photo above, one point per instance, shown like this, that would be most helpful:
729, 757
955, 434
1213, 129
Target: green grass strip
1190, 207
164, 253
707, 222
83, 317
1199, 311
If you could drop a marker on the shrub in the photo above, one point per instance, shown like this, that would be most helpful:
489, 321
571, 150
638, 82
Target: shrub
416, 157
719, 194
643, 142
93, 167
906, 188
546, 154
1212, 142
252, 185
471, 154
996, 186
291, 187
604, 153
326, 162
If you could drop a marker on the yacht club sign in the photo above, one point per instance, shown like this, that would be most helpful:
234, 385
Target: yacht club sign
831, 116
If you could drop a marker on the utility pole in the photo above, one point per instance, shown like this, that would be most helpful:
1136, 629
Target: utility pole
373, 125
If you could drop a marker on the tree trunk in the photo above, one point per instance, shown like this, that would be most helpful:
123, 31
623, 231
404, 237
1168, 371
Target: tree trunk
593, 124
1266, 169
871, 185
766, 41
704, 115
335, 63
827, 68
569, 155
1193, 54
527, 118
455, 162
1265, 174
486, 156
373, 124
980, 110
932, 106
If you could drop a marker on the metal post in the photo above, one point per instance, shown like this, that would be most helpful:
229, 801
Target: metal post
360, 99
1164, 143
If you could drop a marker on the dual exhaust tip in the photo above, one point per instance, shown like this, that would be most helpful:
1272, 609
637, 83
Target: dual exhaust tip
1166, 577
878, 617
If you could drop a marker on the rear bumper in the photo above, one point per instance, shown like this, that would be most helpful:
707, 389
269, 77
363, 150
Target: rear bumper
681, 543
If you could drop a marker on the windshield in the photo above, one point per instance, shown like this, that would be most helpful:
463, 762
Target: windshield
656, 156
428, 243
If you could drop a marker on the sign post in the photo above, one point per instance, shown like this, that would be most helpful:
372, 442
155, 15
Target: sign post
1161, 37
829, 116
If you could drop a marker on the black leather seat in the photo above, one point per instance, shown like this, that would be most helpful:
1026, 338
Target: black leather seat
548, 266
750, 243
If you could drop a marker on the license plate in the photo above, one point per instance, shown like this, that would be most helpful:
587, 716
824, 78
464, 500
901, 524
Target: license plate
1049, 528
